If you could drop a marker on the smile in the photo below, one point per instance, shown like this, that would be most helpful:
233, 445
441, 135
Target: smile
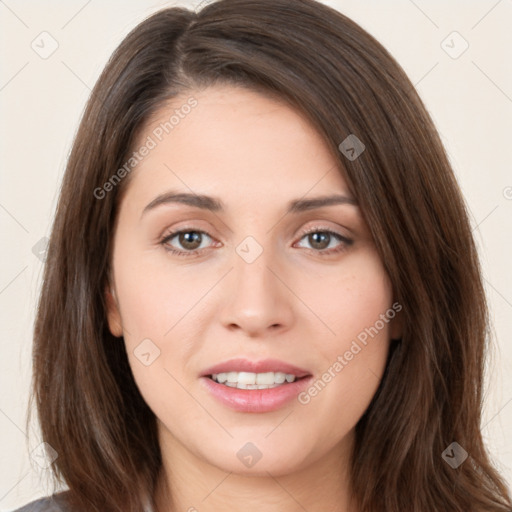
249, 380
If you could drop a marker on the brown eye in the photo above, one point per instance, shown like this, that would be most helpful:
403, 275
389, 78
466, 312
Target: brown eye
319, 240
325, 241
186, 241
190, 239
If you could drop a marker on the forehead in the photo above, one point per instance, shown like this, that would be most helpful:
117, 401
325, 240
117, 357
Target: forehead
234, 143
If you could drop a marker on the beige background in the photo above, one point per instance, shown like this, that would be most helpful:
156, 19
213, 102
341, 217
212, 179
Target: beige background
469, 97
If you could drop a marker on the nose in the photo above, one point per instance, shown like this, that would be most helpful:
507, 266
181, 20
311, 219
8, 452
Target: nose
259, 300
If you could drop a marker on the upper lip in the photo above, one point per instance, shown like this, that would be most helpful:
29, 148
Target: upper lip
245, 365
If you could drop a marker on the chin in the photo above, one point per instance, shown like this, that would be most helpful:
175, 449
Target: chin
260, 457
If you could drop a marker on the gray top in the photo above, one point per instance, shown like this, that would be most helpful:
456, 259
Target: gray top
54, 503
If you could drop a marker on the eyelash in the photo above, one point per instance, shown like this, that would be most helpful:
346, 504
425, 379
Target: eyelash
345, 242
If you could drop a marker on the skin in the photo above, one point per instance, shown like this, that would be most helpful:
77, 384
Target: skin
255, 154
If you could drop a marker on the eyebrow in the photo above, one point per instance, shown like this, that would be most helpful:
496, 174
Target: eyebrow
214, 204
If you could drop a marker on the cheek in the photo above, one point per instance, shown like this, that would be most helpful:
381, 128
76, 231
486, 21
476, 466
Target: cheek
155, 310
349, 299
357, 307
156, 305
155, 296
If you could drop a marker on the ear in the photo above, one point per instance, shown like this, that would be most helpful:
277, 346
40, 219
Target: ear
113, 316
396, 324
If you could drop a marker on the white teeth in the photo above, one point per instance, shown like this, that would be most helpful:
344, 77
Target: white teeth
248, 380
281, 377
266, 378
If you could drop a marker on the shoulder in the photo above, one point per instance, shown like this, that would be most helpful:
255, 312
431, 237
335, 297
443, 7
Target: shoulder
55, 503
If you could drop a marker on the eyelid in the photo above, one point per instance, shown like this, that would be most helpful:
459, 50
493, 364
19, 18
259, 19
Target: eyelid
318, 227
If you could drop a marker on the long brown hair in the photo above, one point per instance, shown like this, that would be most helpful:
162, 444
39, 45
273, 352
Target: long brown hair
323, 64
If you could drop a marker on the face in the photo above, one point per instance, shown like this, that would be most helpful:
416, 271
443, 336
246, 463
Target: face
225, 268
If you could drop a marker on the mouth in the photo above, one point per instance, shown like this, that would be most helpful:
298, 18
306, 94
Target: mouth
249, 386
249, 380
246, 374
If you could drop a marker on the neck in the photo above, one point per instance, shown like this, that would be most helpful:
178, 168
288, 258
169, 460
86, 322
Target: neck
188, 483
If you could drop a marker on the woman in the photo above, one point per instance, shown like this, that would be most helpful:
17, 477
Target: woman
261, 289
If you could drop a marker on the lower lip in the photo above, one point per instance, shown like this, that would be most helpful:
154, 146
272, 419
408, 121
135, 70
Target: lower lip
256, 400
